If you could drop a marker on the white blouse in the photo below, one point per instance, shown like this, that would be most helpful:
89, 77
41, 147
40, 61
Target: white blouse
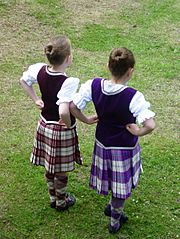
139, 107
68, 89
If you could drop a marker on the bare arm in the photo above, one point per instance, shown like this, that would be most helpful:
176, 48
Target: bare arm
31, 93
80, 116
148, 126
64, 114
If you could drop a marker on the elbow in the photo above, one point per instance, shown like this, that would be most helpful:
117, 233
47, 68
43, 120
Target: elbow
65, 119
63, 115
21, 82
151, 126
72, 107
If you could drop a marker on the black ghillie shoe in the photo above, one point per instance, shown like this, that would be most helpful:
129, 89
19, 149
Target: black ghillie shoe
113, 229
123, 218
107, 211
53, 204
59, 208
70, 201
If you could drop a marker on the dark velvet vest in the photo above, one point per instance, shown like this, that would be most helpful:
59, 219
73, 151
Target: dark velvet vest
49, 85
113, 113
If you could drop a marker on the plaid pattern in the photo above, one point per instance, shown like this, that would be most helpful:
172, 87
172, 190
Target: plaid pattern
116, 170
117, 206
55, 147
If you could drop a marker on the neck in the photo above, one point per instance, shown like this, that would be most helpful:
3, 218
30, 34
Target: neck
122, 80
60, 68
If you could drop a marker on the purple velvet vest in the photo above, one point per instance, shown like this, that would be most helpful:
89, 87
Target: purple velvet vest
113, 113
49, 86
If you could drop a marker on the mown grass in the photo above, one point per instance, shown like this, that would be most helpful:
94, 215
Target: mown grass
149, 28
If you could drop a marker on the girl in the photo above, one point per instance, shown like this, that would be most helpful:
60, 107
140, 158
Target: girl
116, 163
55, 146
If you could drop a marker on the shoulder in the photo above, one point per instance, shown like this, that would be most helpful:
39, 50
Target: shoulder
139, 101
131, 90
36, 67
30, 75
138, 96
71, 82
86, 88
87, 84
68, 90
96, 81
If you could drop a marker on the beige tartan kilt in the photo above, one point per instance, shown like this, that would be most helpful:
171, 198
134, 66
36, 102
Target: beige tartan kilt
55, 147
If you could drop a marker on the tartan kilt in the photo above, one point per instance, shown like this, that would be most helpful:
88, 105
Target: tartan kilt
55, 147
115, 169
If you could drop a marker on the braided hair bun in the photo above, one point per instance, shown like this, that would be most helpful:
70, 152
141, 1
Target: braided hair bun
57, 50
120, 60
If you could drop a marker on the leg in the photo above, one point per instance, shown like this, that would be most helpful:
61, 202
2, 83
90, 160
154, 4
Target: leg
117, 206
51, 188
63, 200
107, 209
107, 212
60, 181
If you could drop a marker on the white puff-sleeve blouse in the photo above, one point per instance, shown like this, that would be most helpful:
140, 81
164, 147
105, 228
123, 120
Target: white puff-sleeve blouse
139, 107
67, 90
30, 75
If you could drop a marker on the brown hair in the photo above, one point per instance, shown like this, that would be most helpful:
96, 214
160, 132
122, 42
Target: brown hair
120, 60
57, 50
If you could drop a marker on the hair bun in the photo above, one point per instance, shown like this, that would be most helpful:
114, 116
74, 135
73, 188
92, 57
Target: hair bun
118, 55
49, 50
117, 58
120, 60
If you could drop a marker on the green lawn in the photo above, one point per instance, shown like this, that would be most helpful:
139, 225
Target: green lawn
150, 29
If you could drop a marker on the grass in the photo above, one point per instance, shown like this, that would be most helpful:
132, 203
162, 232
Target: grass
150, 29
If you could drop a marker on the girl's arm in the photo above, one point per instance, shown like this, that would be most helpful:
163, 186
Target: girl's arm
140, 108
64, 114
65, 96
148, 126
79, 115
31, 93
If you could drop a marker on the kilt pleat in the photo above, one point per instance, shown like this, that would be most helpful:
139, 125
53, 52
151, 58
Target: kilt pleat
55, 147
117, 170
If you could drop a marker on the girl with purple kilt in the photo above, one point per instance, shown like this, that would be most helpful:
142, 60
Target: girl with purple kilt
55, 146
116, 162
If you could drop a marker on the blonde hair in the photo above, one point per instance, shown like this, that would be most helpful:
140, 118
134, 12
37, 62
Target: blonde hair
120, 60
57, 50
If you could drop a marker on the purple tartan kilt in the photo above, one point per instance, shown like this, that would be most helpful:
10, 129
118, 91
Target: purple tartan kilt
116, 170
56, 148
